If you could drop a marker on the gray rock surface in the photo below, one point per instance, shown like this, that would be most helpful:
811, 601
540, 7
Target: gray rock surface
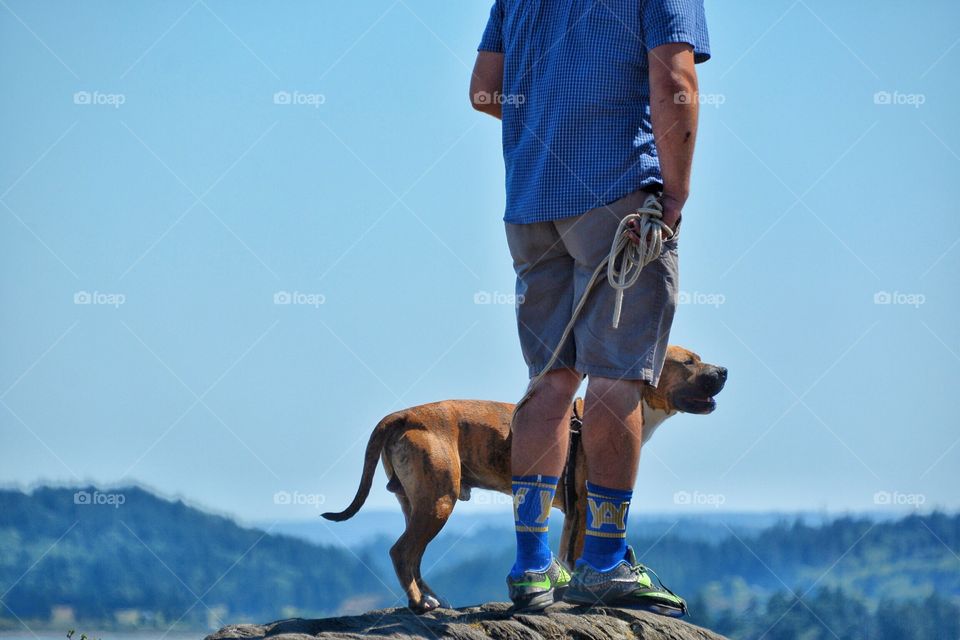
491, 620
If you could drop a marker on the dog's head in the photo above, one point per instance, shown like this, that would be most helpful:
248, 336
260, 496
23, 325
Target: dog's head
687, 384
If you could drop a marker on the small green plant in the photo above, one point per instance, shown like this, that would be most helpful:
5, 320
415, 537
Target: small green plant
83, 636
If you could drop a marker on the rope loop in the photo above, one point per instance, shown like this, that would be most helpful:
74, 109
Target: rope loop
633, 257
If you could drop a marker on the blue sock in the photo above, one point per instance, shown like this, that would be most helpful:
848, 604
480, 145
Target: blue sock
606, 541
532, 499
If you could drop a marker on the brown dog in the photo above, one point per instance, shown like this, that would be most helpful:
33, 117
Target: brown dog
436, 453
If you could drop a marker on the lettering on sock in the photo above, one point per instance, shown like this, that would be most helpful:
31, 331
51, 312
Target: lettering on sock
605, 512
544, 498
532, 499
519, 494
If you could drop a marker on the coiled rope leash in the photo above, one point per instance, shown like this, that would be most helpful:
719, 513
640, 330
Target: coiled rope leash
633, 258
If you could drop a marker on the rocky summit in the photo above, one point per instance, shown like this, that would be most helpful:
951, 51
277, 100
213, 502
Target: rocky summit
492, 620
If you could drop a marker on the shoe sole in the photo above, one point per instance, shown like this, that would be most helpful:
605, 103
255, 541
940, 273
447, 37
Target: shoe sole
581, 598
535, 603
589, 600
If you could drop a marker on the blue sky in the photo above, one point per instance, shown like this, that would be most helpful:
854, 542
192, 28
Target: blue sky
148, 170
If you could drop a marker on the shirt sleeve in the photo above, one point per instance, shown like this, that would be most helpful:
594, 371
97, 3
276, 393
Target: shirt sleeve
492, 39
666, 21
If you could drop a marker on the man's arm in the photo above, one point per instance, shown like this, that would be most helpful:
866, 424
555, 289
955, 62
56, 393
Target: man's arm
486, 84
674, 110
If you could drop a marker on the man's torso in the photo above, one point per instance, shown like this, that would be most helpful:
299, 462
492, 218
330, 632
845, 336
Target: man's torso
577, 132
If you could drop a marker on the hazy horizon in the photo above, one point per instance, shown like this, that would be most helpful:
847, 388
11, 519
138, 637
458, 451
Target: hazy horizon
486, 503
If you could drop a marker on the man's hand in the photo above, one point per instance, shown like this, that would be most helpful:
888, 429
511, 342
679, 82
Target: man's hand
672, 210
486, 84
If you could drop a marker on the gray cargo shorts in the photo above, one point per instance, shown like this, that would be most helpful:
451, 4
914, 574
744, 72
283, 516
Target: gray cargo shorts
554, 261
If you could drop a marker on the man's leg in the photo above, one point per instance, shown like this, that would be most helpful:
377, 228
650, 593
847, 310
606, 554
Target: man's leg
540, 431
608, 572
612, 434
612, 430
616, 361
545, 287
542, 426
538, 455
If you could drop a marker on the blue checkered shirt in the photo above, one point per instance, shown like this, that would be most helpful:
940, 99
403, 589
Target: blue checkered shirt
576, 97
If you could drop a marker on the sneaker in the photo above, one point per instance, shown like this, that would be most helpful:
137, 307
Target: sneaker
536, 590
627, 584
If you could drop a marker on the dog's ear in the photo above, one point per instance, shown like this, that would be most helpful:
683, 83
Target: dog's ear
656, 397
681, 355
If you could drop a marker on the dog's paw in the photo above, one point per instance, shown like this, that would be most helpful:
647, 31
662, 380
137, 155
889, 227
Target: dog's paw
427, 604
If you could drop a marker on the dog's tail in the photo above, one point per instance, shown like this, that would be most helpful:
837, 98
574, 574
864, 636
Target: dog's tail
374, 447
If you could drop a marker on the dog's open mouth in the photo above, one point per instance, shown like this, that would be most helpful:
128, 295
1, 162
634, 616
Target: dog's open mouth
697, 405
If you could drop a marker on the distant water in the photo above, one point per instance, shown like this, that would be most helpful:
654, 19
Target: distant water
103, 635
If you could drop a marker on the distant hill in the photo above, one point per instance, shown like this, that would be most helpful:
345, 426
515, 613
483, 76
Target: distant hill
125, 555
93, 558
